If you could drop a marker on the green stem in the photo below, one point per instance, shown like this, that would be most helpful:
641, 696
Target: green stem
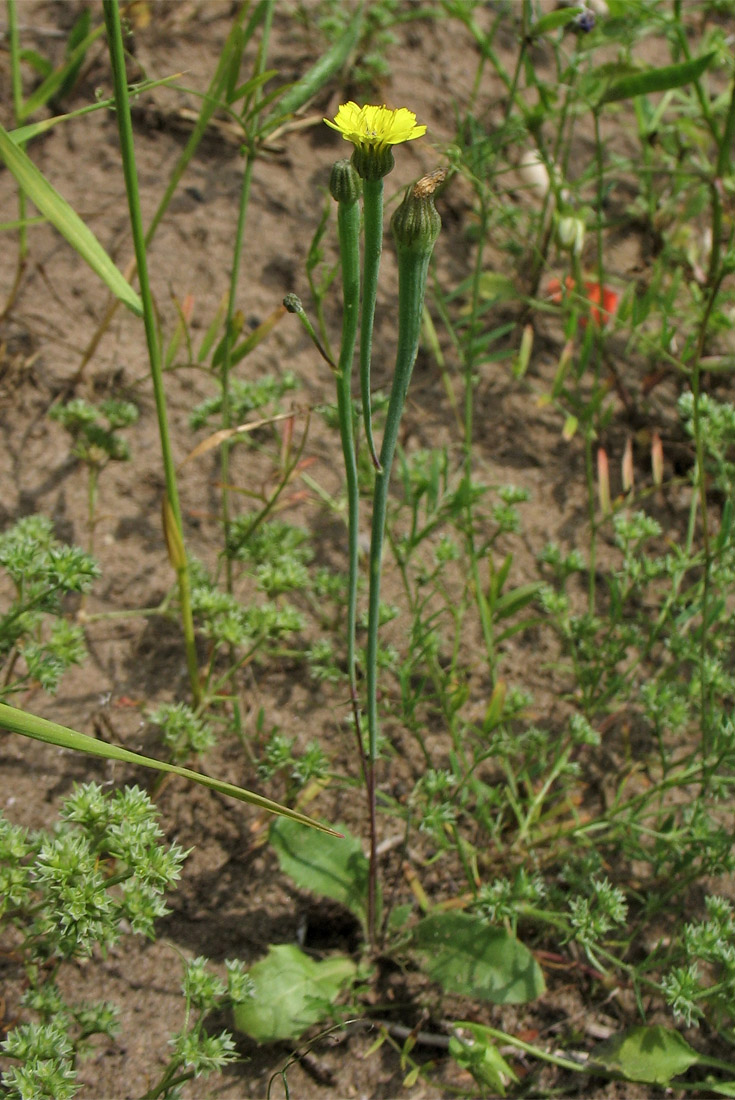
293, 305
589, 469
232, 298
534, 1051
411, 284
412, 270
348, 225
715, 276
523, 41
468, 365
373, 222
169, 1081
117, 60
212, 99
225, 369
17, 86
681, 37
92, 488
15, 73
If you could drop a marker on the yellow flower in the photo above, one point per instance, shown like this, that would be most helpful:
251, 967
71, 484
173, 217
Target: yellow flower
375, 127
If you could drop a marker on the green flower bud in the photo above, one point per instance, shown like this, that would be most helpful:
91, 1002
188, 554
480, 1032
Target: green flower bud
344, 183
416, 223
570, 234
293, 303
372, 162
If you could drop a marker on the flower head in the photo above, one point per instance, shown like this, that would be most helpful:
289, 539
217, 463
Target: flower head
372, 130
373, 127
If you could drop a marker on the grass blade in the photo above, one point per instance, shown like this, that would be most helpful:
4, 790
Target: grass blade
325, 68
657, 80
40, 729
53, 206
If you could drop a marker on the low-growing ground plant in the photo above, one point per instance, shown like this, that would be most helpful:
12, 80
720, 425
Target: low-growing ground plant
38, 638
71, 893
96, 441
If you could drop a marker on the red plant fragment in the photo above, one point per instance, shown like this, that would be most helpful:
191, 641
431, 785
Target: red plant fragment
598, 296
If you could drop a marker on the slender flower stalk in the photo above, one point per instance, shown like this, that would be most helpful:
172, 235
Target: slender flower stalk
372, 130
373, 222
16, 81
293, 304
345, 189
415, 226
229, 338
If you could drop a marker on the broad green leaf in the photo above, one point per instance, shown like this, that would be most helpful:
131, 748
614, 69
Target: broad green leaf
292, 992
497, 288
482, 1058
399, 917
570, 427
40, 729
553, 20
466, 955
650, 1054
719, 1088
411, 1077
495, 707
49, 202
319, 74
657, 80
41, 64
334, 867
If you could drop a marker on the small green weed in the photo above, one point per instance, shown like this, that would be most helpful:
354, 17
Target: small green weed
38, 642
74, 891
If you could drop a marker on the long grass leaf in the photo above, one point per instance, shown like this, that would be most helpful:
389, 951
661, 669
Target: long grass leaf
657, 80
40, 729
50, 203
325, 68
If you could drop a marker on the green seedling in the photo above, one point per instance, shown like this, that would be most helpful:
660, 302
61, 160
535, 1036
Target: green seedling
76, 890
96, 438
38, 642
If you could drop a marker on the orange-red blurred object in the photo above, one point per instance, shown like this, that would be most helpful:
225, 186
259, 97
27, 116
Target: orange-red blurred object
597, 296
